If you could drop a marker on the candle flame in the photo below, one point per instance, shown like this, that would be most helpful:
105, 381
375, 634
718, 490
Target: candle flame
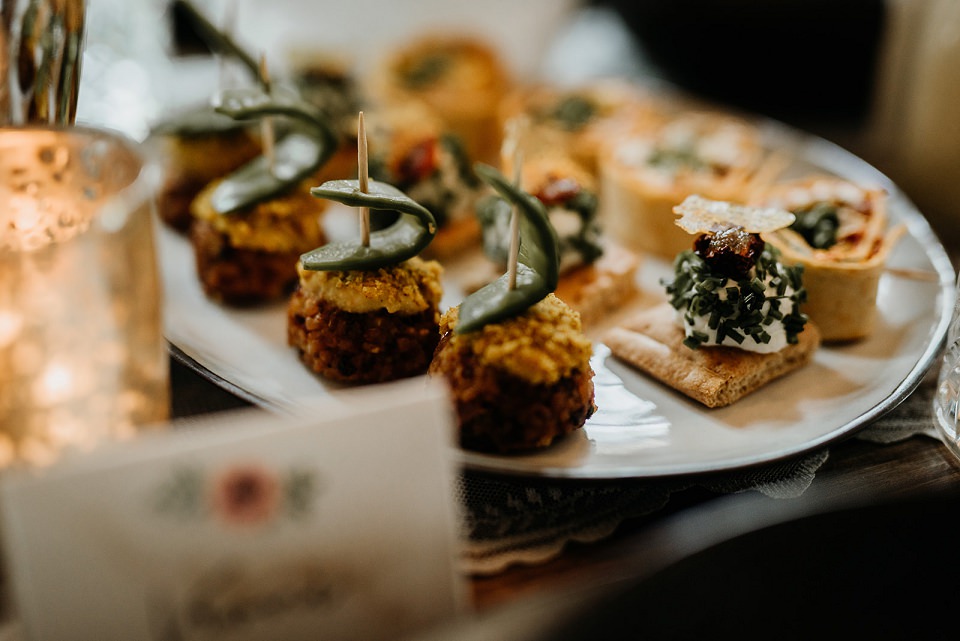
11, 324
55, 384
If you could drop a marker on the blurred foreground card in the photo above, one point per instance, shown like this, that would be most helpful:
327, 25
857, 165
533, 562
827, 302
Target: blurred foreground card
247, 527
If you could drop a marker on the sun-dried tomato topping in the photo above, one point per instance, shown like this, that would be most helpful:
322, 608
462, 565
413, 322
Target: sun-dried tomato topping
852, 238
720, 171
731, 252
558, 191
418, 163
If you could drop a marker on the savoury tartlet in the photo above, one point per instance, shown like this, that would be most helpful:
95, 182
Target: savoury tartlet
328, 83
460, 78
597, 274
412, 149
644, 175
582, 120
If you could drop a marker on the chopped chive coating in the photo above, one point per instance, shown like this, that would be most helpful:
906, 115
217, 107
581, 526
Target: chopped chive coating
673, 159
818, 224
740, 311
695, 339
573, 112
580, 247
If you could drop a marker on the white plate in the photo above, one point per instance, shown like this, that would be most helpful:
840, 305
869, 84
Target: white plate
642, 429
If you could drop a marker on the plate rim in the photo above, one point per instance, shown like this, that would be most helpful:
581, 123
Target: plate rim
826, 155
839, 161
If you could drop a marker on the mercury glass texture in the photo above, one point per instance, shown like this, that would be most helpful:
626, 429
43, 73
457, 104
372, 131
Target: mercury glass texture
82, 355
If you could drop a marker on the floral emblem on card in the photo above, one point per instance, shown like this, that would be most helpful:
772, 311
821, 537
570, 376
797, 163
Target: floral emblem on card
240, 494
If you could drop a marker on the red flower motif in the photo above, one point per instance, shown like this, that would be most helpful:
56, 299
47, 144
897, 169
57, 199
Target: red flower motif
246, 494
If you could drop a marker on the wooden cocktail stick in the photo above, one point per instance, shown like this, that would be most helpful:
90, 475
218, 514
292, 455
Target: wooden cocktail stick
514, 255
363, 176
267, 136
910, 273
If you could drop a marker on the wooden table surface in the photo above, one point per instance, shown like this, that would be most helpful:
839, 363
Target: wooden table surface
855, 471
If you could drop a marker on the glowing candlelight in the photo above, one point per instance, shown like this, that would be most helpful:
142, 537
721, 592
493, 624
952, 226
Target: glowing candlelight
82, 356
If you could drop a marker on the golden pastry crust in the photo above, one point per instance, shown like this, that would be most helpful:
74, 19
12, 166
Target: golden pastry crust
453, 238
543, 168
652, 342
578, 121
394, 130
602, 287
595, 291
643, 177
460, 78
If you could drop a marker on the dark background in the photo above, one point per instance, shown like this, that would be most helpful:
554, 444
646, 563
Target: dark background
807, 62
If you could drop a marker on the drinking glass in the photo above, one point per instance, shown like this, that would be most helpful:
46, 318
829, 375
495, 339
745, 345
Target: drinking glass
82, 354
947, 396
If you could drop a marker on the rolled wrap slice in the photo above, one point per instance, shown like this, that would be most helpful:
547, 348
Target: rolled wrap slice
842, 267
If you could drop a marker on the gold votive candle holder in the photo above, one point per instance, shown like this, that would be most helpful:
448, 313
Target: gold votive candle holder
82, 353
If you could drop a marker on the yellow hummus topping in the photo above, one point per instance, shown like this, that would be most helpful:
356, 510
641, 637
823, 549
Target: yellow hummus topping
407, 288
541, 346
290, 223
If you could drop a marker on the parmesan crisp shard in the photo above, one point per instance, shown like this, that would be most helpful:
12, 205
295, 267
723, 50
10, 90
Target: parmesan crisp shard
700, 215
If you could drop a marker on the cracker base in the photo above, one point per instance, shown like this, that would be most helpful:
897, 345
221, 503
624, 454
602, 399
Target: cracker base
715, 376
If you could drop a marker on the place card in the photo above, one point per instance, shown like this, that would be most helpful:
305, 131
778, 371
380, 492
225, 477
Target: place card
246, 526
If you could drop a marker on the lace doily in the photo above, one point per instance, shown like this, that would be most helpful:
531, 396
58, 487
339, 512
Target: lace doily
511, 521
